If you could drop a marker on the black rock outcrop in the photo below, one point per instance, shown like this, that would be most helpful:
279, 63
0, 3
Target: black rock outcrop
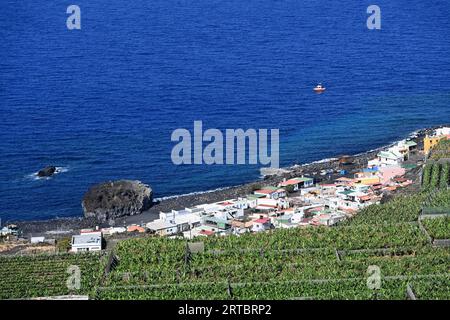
46, 172
114, 199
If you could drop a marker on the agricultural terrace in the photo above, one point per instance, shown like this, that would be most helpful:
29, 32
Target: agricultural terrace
435, 175
47, 275
441, 150
438, 228
299, 263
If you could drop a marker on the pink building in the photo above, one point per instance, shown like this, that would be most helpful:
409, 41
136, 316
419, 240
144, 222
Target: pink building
387, 173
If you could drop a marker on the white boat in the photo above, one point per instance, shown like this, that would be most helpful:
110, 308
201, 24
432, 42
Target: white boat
319, 88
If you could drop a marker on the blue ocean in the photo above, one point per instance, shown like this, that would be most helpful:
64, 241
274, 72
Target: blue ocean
101, 103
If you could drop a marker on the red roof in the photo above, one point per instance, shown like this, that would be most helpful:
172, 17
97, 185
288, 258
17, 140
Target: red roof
226, 203
207, 232
290, 182
135, 228
262, 220
267, 205
328, 185
348, 210
264, 191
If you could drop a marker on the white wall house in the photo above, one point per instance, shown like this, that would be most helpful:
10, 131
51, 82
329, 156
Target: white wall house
261, 224
271, 192
162, 228
35, 240
297, 183
442, 131
90, 241
389, 158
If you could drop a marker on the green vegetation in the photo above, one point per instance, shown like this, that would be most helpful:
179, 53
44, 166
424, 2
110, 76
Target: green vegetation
435, 175
438, 228
63, 245
441, 150
433, 288
399, 209
438, 199
309, 263
247, 272
289, 189
426, 176
46, 275
444, 179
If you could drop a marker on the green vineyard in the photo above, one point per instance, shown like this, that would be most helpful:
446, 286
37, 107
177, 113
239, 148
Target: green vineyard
384, 241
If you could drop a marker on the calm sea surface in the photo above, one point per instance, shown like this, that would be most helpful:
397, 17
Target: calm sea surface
101, 102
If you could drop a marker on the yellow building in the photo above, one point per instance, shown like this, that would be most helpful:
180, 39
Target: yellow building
430, 142
369, 180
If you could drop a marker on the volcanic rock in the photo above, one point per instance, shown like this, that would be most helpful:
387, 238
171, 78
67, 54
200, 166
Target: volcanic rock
46, 172
114, 199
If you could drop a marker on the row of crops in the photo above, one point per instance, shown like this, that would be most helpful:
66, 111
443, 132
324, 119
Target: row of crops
310, 263
355, 289
49, 275
364, 236
274, 265
436, 175
399, 209
438, 228
273, 273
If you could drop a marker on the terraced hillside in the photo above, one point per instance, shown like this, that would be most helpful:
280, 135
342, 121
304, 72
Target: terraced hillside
48, 275
382, 253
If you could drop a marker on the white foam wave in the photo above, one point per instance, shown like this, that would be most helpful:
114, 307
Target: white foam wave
194, 193
34, 176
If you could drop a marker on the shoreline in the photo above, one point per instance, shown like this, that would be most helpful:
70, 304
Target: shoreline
66, 226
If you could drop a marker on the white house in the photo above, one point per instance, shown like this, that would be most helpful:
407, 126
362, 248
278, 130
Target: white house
297, 183
388, 158
297, 217
162, 228
261, 224
445, 131
35, 240
89, 241
114, 230
184, 219
328, 219
271, 192
9, 230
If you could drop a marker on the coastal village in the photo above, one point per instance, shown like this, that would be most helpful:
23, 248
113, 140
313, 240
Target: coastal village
301, 201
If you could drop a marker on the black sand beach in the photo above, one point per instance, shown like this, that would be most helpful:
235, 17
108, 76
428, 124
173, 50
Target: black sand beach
67, 226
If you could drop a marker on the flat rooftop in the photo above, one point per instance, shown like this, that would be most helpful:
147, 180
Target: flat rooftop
88, 238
